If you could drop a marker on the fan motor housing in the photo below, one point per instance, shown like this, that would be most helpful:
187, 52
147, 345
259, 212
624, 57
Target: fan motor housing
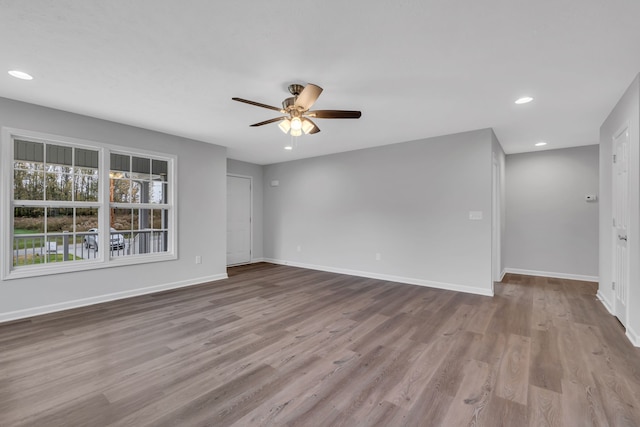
288, 103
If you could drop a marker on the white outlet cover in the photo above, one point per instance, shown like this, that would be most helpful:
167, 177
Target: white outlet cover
475, 215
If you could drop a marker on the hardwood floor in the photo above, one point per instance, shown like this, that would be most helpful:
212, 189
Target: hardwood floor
276, 346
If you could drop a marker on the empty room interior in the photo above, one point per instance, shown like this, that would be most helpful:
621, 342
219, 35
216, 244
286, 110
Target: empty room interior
411, 213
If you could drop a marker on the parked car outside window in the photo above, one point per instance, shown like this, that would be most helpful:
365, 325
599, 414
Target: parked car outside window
91, 240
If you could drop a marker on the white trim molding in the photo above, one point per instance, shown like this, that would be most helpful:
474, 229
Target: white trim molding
607, 304
633, 337
387, 277
631, 334
68, 305
552, 274
502, 274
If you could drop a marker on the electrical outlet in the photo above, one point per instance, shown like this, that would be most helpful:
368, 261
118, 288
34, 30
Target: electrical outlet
299, 248
198, 259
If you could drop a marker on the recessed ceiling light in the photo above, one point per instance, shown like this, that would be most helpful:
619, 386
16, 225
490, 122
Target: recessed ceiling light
540, 144
21, 75
288, 147
524, 100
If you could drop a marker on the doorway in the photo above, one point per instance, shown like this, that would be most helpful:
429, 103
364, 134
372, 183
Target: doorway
239, 196
620, 202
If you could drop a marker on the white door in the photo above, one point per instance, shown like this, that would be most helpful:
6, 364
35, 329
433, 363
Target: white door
238, 220
621, 223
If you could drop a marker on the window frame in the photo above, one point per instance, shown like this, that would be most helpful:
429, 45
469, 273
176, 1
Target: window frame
103, 258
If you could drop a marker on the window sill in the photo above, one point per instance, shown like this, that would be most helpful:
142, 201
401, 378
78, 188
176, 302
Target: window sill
72, 267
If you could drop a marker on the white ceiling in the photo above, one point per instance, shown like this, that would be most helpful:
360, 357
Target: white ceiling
415, 68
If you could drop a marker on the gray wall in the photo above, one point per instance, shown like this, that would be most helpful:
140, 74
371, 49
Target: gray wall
256, 172
551, 230
201, 217
626, 112
409, 202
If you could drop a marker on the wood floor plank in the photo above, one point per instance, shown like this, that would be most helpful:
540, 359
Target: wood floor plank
513, 376
581, 405
473, 396
505, 413
544, 370
276, 345
545, 407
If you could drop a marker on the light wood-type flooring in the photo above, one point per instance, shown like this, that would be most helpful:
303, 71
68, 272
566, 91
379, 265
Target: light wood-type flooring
283, 346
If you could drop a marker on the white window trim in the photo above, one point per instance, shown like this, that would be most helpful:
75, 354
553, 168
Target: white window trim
102, 261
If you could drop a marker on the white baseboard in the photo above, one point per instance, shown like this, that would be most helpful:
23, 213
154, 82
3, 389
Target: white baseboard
253, 261
67, 305
633, 337
387, 277
552, 274
607, 304
502, 274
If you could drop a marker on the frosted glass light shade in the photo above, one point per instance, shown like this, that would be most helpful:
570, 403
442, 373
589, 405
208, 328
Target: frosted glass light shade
285, 125
296, 123
307, 126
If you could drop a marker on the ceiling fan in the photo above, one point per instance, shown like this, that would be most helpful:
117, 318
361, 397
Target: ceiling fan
296, 108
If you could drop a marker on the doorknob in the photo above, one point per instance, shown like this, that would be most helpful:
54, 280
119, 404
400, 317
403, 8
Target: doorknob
622, 237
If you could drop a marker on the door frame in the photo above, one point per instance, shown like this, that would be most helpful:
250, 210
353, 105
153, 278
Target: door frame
614, 236
496, 224
250, 178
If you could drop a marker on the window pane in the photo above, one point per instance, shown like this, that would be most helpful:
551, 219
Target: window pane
60, 184
59, 155
120, 162
122, 219
158, 192
28, 236
86, 218
28, 151
159, 219
28, 220
138, 193
86, 158
119, 190
141, 165
160, 168
86, 185
59, 220
28, 181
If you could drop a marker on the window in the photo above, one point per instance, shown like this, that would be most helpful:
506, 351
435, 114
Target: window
75, 205
55, 202
138, 209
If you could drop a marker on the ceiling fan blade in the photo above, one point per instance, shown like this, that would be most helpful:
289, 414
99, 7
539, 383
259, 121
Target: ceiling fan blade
306, 122
266, 122
335, 114
258, 104
308, 96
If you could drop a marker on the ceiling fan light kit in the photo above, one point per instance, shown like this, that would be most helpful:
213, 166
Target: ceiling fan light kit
297, 108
